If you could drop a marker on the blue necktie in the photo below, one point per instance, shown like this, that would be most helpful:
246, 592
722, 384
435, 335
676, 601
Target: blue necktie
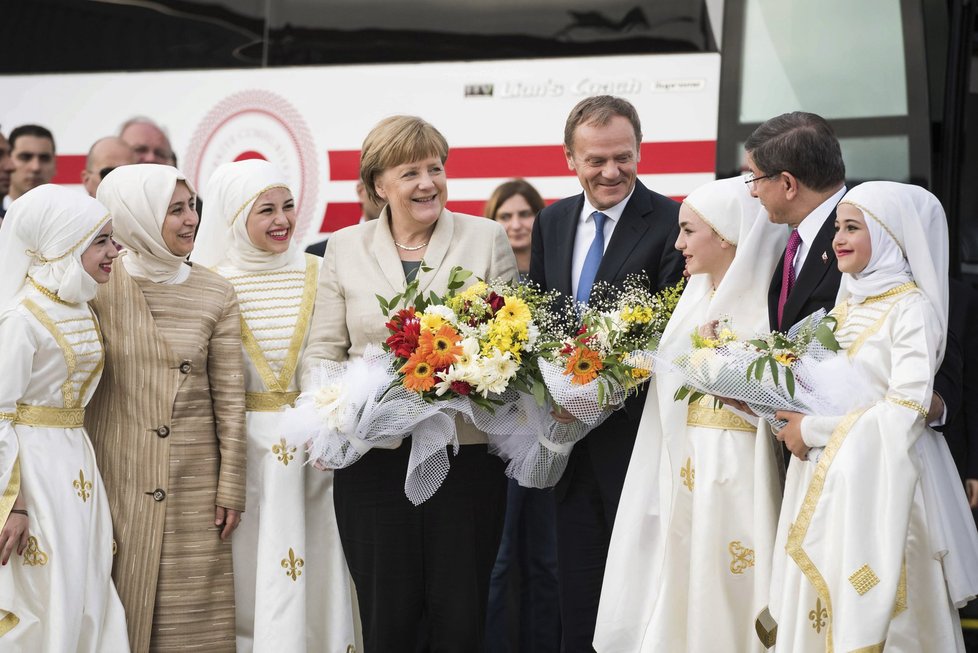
593, 259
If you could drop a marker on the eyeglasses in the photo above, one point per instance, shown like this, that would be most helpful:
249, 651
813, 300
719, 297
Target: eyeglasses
751, 180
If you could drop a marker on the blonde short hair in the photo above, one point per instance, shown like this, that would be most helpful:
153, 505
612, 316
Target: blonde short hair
395, 141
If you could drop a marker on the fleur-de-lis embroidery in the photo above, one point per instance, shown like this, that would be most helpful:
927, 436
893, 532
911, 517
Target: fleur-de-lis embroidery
284, 452
293, 564
818, 616
33, 556
83, 487
688, 474
743, 558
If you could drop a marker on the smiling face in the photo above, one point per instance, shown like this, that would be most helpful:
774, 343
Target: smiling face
97, 258
705, 251
517, 216
605, 158
271, 221
852, 244
415, 191
180, 223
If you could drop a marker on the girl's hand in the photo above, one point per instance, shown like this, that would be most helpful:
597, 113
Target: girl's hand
561, 416
791, 433
13, 535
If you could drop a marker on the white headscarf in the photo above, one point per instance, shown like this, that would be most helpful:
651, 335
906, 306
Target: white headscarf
138, 196
906, 221
232, 191
44, 235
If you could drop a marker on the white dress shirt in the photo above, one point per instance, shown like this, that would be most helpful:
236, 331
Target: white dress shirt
585, 235
811, 225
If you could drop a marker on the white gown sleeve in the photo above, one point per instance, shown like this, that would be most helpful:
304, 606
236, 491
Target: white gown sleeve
16, 361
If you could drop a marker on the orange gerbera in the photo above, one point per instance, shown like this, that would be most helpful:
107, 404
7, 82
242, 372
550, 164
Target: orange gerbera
583, 365
442, 347
419, 374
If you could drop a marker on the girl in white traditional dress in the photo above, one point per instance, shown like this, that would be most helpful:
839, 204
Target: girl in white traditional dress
56, 593
686, 569
292, 588
876, 546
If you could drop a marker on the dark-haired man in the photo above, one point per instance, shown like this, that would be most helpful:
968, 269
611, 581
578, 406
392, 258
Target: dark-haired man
32, 151
615, 227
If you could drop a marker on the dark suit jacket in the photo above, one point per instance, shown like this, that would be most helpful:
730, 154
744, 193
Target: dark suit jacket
815, 287
643, 241
962, 348
319, 248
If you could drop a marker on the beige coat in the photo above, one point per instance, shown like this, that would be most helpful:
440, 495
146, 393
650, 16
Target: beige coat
167, 422
361, 262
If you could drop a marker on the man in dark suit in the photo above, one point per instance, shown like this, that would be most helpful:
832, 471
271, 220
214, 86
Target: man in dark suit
616, 227
370, 211
797, 172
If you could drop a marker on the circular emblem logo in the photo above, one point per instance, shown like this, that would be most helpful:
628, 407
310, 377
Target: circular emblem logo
257, 124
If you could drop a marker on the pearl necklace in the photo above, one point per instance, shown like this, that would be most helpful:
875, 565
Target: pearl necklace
411, 248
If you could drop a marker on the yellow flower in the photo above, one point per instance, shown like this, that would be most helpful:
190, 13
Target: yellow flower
474, 291
514, 310
785, 358
640, 314
432, 322
640, 374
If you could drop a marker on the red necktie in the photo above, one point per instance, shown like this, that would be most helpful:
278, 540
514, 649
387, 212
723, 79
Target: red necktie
788, 274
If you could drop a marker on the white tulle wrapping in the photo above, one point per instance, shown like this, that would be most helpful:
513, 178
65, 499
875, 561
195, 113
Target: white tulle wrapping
825, 381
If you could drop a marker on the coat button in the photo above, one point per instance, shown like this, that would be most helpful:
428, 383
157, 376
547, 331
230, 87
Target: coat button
158, 495
163, 431
185, 367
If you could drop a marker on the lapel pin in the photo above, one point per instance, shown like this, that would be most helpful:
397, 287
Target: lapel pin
825, 258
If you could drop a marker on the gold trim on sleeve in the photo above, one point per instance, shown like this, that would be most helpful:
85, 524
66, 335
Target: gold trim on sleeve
10, 492
67, 392
906, 403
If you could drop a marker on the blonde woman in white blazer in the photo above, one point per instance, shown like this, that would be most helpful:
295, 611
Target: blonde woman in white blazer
421, 573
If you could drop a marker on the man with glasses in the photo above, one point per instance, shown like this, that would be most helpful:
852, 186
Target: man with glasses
105, 155
797, 172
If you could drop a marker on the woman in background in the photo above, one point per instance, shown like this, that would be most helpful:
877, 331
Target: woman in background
168, 419
56, 593
292, 589
525, 573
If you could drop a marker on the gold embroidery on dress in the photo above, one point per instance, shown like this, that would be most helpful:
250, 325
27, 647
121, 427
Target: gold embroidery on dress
51, 416
688, 474
798, 530
33, 556
702, 413
818, 616
906, 403
269, 402
864, 579
901, 595
284, 452
83, 487
8, 417
280, 382
10, 492
293, 564
351, 649
743, 558
8, 621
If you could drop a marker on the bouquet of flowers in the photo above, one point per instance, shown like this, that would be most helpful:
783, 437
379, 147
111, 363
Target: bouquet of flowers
798, 370
608, 354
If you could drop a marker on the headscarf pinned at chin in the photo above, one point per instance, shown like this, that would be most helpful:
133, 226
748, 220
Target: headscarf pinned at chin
44, 235
138, 196
232, 191
906, 221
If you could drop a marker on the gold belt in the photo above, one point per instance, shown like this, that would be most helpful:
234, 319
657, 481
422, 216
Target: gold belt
52, 416
700, 415
269, 402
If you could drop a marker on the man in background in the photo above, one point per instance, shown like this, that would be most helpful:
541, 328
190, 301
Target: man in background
371, 211
105, 155
148, 141
32, 151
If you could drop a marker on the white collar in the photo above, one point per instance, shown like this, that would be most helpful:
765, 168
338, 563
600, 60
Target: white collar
813, 222
614, 213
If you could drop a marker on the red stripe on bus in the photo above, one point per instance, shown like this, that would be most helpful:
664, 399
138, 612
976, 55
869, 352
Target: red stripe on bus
344, 214
543, 160
69, 170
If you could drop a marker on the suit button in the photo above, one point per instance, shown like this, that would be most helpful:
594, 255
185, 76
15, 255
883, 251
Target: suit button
185, 367
163, 431
158, 495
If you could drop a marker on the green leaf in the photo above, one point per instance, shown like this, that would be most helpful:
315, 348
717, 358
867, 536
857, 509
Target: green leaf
789, 381
600, 393
825, 336
539, 393
760, 344
774, 368
384, 306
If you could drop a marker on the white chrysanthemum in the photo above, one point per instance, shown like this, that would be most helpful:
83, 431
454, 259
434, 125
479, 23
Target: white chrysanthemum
443, 312
448, 377
502, 365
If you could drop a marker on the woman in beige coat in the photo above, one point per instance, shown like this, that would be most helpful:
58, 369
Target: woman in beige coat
426, 564
167, 420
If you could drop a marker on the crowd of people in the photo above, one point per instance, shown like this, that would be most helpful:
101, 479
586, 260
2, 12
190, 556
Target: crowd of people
151, 501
